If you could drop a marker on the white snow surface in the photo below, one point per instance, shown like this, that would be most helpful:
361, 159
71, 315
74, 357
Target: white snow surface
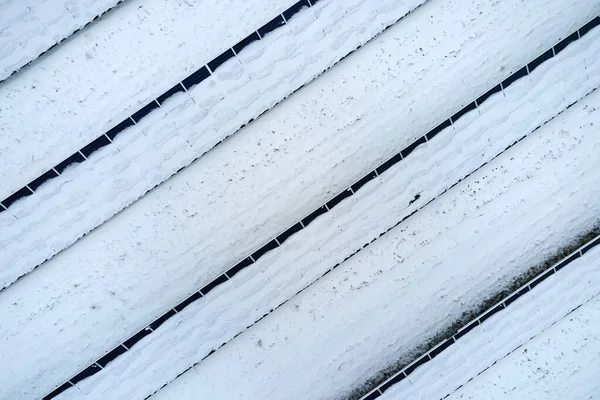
183, 129
538, 348
390, 298
503, 120
30, 27
152, 151
174, 347
96, 80
105, 288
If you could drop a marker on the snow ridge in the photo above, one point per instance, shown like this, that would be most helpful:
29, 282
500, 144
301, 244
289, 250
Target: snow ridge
279, 239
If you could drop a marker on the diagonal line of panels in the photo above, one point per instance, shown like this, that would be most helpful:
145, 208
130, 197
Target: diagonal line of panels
275, 242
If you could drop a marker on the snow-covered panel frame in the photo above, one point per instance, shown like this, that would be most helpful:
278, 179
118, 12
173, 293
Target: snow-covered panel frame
274, 243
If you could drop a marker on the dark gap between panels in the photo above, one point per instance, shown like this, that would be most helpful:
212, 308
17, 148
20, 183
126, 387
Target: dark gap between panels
195, 296
363, 181
220, 279
111, 355
411, 147
538, 61
589, 246
57, 391
488, 94
540, 278
514, 77
312, 216
465, 329
515, 295
441, 347
16, 196
142, 112
220, 59
265, 249
126, 123
560, 46
372, 396
86, 373
388, 164
295, 9
137, 337
75, 158
491, 312
196, 77
289, 232
392, 382
246, 262
271, 26
242, 44
95, 145
424, 358
432, 133
162, 319
469, 107
166, 95
339, 198
589, 26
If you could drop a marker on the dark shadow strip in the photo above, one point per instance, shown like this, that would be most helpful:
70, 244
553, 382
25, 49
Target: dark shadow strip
498, 307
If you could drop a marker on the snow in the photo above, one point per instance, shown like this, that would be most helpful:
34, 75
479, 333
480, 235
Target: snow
395, 295
541, 347
153, 254
72, 96
180, 131
28, 28
78, 205
226, 312
71, 206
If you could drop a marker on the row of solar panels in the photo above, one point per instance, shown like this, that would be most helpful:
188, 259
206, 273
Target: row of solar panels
304, 222
193, 79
